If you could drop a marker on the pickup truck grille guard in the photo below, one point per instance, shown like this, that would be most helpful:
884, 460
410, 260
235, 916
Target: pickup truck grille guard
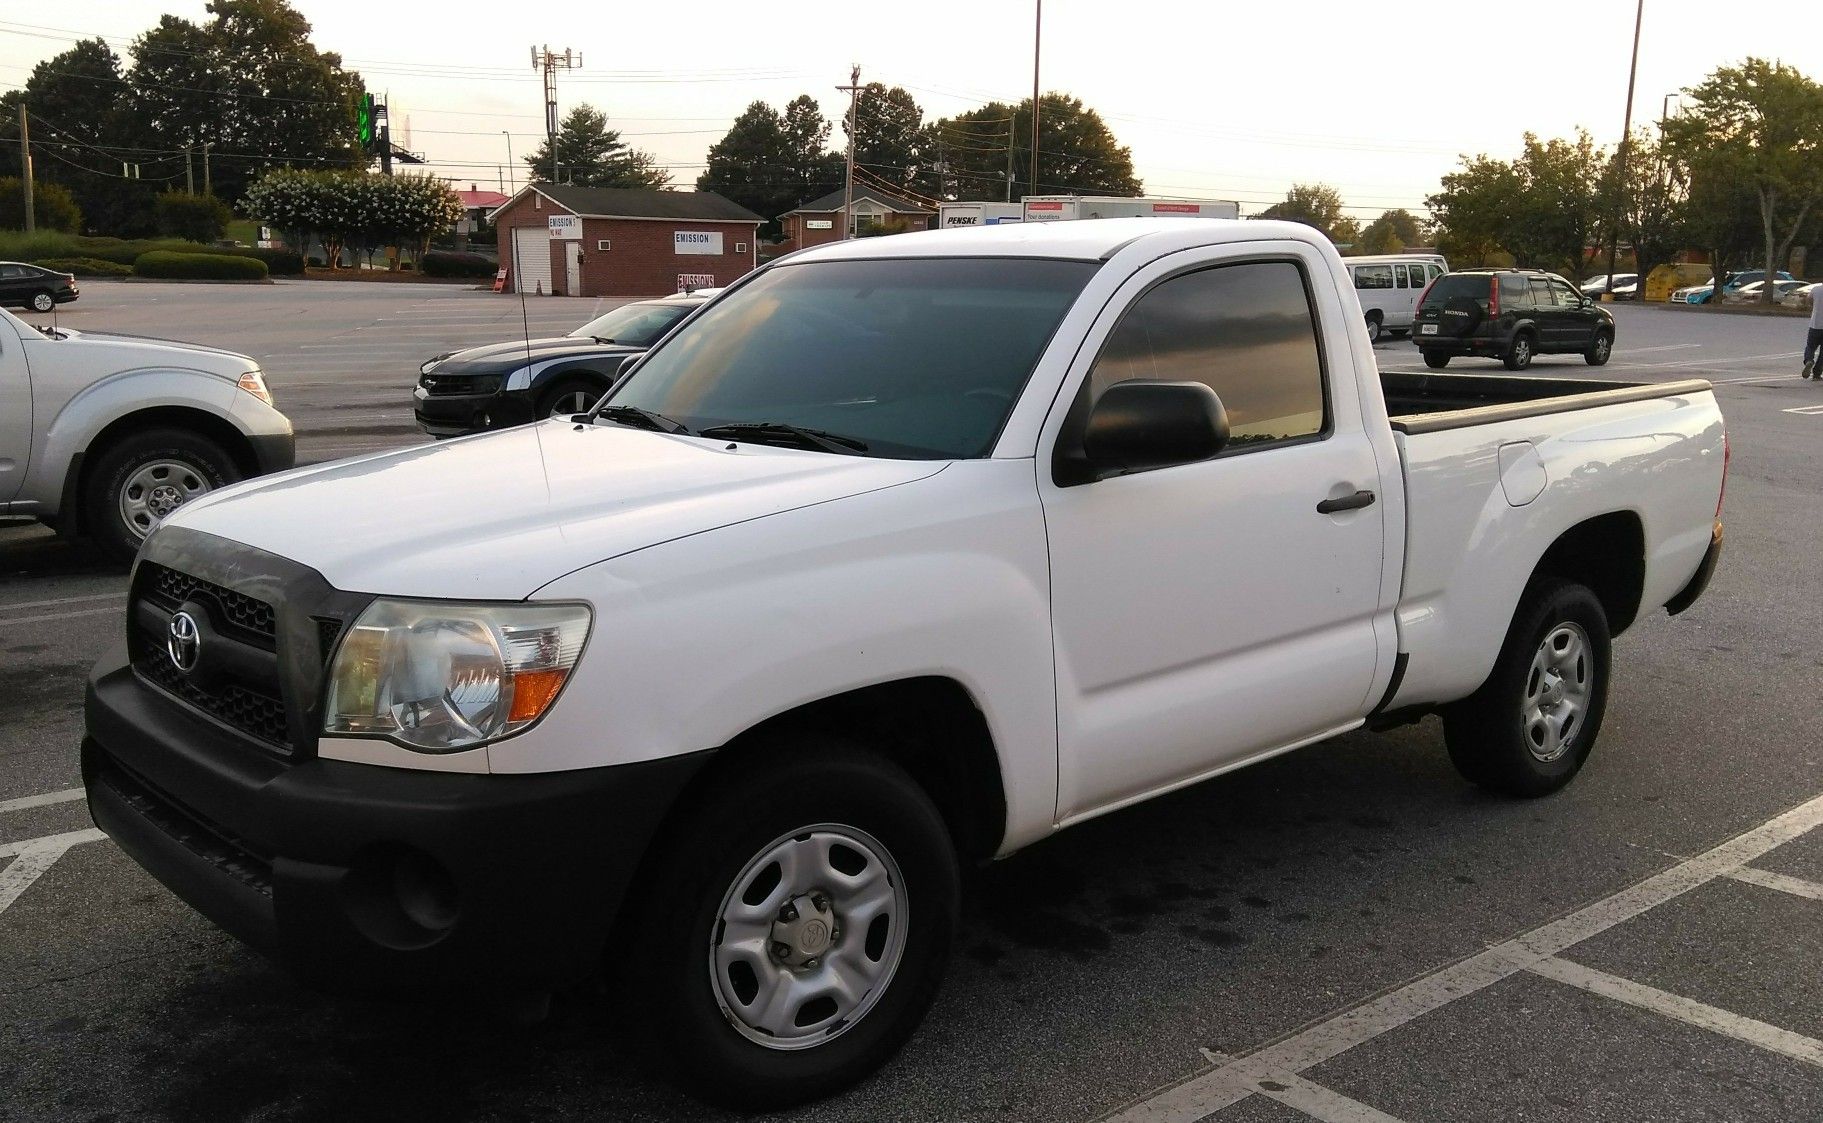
267, 626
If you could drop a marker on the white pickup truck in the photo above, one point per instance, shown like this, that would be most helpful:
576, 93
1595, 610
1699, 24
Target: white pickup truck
902, 553
104, 435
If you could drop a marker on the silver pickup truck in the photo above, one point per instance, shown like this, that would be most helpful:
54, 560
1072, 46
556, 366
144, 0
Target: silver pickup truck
105, 435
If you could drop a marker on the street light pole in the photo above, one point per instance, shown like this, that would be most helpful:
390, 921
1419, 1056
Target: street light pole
509, 160
1620, 159
1037, 32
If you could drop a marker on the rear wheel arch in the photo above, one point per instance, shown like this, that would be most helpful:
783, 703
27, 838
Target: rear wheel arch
1608, 555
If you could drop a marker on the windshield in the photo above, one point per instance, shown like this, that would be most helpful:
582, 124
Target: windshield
915, 358
637, 324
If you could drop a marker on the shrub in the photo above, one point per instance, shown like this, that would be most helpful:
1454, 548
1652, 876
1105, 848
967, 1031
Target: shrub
285, 263
53, 207
16, 245
200, 218
85, 266
199, 266
128, 250
438, 263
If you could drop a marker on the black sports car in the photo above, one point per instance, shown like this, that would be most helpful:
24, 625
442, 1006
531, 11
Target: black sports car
523, 380
35, 287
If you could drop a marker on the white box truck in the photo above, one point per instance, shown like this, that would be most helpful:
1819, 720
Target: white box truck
950, 216
1054, 208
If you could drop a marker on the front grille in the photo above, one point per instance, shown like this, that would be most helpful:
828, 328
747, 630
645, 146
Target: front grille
170, 589
438, 385
241, 688
195, 834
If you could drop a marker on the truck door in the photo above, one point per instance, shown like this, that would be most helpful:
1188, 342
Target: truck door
15, 410
1209, 612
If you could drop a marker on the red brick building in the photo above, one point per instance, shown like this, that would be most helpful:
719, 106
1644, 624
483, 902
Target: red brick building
613, 241
820, 220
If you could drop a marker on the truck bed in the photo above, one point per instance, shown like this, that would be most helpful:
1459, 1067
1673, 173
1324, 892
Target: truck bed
1429, 403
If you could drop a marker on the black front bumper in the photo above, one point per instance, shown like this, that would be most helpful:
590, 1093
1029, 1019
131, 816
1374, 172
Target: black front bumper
453, 415
364, 876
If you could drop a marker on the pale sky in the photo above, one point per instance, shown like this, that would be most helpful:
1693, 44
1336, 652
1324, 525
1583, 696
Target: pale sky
1216, 100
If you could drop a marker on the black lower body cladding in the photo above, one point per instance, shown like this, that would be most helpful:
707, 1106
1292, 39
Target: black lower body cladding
359, 876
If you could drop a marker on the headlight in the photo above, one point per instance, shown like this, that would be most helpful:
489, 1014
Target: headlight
255, 383
438, 677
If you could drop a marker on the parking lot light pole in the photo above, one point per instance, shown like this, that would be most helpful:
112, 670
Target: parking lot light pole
509, 160
1620, 158
1037, 32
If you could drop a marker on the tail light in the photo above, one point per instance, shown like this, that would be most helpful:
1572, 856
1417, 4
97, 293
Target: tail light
1493, 296
1425, 295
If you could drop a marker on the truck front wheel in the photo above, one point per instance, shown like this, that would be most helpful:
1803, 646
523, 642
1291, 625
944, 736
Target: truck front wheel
1530, 727
136, 483
792, 930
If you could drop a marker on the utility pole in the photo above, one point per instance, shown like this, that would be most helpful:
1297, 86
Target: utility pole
1010, 127
510, 186
853, 89
385, 139
208, 185
189, 173
1620, 162
1037, 31
25, 168
550, 62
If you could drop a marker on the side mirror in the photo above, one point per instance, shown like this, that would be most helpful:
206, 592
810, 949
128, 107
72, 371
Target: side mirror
1143, 424
626, 365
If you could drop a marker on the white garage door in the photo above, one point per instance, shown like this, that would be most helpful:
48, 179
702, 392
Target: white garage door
531, 263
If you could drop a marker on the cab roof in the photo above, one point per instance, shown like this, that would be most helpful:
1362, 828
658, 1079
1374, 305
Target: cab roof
1078, 239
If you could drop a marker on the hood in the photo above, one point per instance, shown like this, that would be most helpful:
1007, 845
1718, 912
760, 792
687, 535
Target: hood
117, 354
497, 358
496, 516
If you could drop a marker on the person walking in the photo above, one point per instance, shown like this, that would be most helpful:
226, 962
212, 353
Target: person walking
1813, 339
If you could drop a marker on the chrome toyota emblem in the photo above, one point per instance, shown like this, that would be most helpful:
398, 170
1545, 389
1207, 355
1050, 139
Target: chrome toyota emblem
184, 642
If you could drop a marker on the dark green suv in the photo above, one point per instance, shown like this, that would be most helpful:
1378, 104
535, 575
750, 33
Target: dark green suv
1510, 315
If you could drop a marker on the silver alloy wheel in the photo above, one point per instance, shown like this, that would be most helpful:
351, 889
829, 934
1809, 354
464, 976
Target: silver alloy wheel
1558, 688
43, 302
808, 936
1602, 346
1522, 352
157, 488
572, 403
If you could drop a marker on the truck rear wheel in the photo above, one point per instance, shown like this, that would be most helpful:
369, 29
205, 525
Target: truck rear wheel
797, 922
1530, 727
142, 479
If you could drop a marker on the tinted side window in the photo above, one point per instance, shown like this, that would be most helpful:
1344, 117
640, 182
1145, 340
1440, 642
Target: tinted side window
1373, 276
1514, 292
1247, 331
1542, 294
1569, 297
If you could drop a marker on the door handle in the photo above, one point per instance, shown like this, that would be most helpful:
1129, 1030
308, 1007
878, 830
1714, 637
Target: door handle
1353, 502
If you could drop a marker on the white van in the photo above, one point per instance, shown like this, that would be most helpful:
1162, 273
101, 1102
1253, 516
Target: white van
1389, 286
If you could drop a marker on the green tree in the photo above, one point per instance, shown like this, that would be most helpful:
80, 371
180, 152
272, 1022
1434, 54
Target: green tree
810, 168
77, 101
890, 138
1764, 122
1077, 152
53, 207
1318, 205
1474, 209
748, 165
1546, 207
1654, 206
1392, 232
195, 218
250, 82
589, 154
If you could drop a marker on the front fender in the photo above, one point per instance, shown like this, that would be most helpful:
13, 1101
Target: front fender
699, 639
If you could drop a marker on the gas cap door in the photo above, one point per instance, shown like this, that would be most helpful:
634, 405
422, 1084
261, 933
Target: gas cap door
1522, 473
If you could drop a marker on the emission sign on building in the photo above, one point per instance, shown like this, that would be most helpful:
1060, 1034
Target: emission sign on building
564, 227
703, 242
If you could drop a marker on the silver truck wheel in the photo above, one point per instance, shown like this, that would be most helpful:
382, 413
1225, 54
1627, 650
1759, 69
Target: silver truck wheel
139, 481
1557, 692
157, 488
809, 936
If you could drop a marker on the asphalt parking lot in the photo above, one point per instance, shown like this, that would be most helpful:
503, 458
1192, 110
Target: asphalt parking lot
1348, 933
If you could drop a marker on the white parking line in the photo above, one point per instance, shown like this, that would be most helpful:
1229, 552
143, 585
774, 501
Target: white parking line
59, 600
33, 858
113, 608
68, 795
1317, 1101
1808, 411
1757, 1033
61, 841
1766, 879
1203, 1095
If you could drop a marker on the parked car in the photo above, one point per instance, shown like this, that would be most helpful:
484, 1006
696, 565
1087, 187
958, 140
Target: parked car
1626, 286
1750, 293
35, 288
902, 554
1511, 315
105, 436
1388, 287
521, 380
1704, 293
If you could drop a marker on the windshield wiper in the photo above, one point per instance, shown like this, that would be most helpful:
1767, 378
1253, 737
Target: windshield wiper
804, 438
643, 419
601, 339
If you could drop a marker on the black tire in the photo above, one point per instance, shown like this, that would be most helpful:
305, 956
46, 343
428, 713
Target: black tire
1374, 332
569, 390
42, 301
1490, 740
1600, 348
1520, 351
197, 464
1436, 360
768, 795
